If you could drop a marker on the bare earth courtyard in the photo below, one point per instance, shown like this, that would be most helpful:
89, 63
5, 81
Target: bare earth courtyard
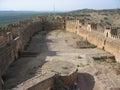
59, 45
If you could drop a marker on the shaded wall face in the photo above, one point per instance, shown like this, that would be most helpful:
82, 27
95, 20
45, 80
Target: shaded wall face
52, 25
47, 84
2, 40
71, 79
0, 81
10, 51
7, 57
15, 32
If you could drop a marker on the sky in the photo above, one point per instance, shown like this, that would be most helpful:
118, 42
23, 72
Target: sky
57, 5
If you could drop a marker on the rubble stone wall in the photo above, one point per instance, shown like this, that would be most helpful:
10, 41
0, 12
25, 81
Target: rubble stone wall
98, 38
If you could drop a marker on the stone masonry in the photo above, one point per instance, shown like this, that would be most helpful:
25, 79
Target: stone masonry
105, 39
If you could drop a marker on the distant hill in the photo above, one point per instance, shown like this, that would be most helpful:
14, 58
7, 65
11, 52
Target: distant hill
7, 17
92, 10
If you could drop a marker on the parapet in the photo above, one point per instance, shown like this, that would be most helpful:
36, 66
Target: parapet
55, 75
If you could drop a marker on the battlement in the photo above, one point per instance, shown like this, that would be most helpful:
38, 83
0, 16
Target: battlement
98, 34
15, 38
19, 34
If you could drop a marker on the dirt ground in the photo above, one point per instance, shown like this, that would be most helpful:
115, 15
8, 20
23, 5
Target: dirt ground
59, 45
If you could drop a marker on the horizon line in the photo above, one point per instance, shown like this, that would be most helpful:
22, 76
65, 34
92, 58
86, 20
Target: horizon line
58, 10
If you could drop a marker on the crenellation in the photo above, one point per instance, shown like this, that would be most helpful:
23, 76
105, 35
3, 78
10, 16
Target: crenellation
105, 38
73, 25
16, 37
14, 41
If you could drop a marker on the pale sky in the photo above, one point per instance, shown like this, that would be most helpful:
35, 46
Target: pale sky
60, 5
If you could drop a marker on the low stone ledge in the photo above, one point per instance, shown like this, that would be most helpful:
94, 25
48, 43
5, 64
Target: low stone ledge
55, 75
65, 74
31, 83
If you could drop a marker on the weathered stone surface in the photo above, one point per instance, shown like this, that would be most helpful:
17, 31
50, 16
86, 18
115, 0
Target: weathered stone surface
65, 73
102, 39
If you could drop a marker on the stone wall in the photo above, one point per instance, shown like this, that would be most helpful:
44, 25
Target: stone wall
49, 82
5, 37
67, 81
102, 38
51, 79
14, 46
45, 82
17, 36
6, 57
2, 40
15, 41
53, 23
113, 47
72, 25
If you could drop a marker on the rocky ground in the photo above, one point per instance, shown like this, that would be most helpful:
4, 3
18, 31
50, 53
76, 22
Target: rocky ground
59, 45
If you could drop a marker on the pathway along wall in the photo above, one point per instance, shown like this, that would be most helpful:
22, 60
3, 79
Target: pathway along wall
11, 50
21, 33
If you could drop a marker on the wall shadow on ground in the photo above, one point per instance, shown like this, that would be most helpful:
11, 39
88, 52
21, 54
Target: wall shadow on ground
14, 75
85, 81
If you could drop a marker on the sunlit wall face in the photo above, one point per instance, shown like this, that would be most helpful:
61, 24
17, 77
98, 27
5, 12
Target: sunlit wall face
60, 5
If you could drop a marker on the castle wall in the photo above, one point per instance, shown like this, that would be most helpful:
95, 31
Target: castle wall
0, 83
6, 57
72, 25
114, 48
102, 39
2, 40
106, 43
10, 51
53, 25
26, 30
6, 37
17, 39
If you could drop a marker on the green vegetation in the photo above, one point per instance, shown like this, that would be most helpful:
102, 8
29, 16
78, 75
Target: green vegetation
55, 72
64, 67
108, 17
78, 65
91, 45
79, 57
